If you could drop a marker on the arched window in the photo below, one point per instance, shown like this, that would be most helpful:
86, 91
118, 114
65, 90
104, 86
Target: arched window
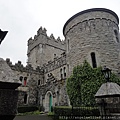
61, 74
25, 98
68, 45
116, 35
38, 82
93, 58
57, 98
25, 81
64, 72
21, 78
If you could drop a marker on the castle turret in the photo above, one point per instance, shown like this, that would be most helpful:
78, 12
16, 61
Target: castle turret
43, 48
93, 35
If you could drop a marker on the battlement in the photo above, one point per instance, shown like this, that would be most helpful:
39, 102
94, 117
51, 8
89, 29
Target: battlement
57, 63
28, 68
89, 14
43, 38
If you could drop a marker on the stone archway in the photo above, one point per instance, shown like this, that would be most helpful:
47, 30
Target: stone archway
48, 101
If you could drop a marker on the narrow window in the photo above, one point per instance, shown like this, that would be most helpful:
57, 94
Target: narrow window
64, 72
38, 82
21, 78
68, 45
25, 81
25, 98
57, 98
116, 35
61, 75
54, 55
94, 64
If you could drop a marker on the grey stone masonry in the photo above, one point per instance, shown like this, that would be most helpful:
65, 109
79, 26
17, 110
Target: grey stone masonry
42, 48
91, 35
8, 102
6, 74
93, 31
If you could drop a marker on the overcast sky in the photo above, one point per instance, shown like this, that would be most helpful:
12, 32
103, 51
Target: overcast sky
22, 19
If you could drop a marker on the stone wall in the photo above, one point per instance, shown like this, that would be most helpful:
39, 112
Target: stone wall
43, 48
51, 61
28, 90
93, 32
8, 102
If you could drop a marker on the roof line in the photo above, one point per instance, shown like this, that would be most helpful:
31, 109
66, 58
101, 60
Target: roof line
90, 10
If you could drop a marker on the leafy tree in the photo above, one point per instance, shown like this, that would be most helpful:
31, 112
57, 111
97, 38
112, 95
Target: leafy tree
84, 82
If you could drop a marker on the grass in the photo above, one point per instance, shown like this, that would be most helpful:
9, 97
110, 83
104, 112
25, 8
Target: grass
37, 112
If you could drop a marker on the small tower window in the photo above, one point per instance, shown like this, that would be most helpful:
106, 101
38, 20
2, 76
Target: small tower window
64, 72
25, 98
54, 55
25, 81
116, 35
93, 58
38, 82
61, 75
21, 78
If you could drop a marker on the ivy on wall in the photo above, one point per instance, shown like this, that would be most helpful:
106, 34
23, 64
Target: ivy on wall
84, 82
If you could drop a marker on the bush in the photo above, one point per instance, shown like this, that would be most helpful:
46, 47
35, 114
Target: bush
23, 109
77, 111
41, 108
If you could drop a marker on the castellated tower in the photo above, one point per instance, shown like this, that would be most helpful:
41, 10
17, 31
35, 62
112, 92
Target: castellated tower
93, 35
43, 49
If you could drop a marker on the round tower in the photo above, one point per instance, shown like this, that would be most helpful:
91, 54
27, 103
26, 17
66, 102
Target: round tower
93, 35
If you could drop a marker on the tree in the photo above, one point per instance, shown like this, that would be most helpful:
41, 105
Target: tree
84, 82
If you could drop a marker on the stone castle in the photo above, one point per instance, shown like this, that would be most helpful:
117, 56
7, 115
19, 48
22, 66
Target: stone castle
91, 35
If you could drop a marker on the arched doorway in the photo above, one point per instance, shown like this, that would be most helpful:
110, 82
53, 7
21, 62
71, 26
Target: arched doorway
48, 101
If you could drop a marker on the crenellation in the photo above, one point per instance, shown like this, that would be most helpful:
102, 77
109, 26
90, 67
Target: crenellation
52, 37
42, 31
42, 38
30, 41
56, 63
93, 24
91, 35
19, 67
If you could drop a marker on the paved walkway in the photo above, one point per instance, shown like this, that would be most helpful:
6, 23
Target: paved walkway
32, 117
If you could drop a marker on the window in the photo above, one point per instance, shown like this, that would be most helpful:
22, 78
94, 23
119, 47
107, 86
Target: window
54, 55
94, 64
64, 72
61, 75
21, 78
38, 82
25, 81
25, 98
57, 98
68, 44
116, 35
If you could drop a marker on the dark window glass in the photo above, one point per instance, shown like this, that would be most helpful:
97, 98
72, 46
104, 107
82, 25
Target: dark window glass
64, 72
116, 35
94, 64
25, 98
61, 75
38, 82
21, 78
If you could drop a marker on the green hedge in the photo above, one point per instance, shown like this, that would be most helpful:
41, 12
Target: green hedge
77, 111
23, 109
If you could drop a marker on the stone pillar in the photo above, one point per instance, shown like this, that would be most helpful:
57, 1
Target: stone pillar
8, 104
8, 93
108, 100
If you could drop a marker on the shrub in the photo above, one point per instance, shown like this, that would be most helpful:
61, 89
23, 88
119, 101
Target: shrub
77, 111
41, 108
23, 109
